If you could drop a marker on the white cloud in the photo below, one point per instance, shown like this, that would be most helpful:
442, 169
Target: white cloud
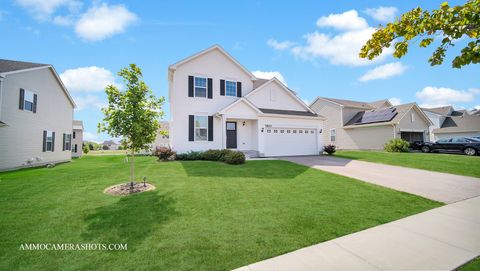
43, 9
280, 45
349, 20
477, 107
395, 101
87, 79
384, 71
442, 96
382, 14
89, 101
270, 75
63, 20
103, 21
306, 101
340, 49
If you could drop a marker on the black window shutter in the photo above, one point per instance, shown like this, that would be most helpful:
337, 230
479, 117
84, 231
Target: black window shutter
75, 147
190, 86
191, 127
222, 87
209, 86
64, 139
34, 103
73, 134
210, 128
239, 89
53, 141
22, 99
44, 141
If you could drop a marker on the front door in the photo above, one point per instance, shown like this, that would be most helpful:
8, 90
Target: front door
231, 135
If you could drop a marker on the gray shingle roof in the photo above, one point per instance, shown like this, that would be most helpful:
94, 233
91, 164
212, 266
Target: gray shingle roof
443, 110
350, 103
287, 112
456, 124
402, 109
12, 65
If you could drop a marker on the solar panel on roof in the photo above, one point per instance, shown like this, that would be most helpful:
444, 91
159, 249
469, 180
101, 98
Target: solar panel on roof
378, 115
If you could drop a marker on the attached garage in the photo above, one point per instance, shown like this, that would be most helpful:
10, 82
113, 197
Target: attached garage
290, 141
412, 136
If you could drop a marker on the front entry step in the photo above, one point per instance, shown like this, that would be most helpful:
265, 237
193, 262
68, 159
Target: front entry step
251, 154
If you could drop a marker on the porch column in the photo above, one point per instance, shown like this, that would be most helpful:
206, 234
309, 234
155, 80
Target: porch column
224, 132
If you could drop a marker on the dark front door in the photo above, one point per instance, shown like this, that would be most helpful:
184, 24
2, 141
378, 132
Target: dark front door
231, 135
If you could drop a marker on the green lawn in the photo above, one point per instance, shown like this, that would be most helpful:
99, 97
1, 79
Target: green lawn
473, 265
449, 163
202, 216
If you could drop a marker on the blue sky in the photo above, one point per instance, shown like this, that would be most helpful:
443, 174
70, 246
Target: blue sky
311, 44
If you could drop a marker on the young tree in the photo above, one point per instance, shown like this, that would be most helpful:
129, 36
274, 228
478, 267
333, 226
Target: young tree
85, 149
446, 24
132, 114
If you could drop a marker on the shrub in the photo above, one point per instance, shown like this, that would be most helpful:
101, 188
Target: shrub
190, 156
105, 147
86, 149
164, 153
215, 155
120, 148
330, 149
234, 158
396, 145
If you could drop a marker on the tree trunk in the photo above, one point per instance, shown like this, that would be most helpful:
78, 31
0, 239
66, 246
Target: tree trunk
132, 166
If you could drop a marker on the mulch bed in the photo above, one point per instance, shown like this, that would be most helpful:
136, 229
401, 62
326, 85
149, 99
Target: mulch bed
126, 189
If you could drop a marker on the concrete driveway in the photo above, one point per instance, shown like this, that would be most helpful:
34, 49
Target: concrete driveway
443, 187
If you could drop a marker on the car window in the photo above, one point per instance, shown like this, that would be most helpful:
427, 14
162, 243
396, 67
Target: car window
460, 140
444, 140
473, 139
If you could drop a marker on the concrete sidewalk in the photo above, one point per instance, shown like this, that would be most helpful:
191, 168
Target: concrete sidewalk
443, 187
440, 239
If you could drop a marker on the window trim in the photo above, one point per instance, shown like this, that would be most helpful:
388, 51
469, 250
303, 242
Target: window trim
236, 88
333, 134
195, 128
49, 141
195, 87
68, 142
25, 100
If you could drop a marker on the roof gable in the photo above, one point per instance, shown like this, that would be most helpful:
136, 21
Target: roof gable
241, 107
261, 97
7, 66
215, 47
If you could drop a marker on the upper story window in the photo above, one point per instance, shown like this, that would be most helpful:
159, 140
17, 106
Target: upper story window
230, 88
201, 128
200, 87
28, 101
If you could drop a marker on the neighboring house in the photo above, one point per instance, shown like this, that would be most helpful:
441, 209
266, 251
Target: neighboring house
362, 125
216, 103
162, 139
77, 138
36, 114
112, 145
448, 122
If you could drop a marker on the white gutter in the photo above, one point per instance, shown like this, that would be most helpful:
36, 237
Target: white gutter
1, 95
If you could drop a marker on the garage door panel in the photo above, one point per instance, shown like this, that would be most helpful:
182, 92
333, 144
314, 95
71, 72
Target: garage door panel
290, 141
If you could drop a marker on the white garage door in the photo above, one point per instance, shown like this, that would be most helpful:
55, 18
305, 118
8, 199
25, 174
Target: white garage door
290, 141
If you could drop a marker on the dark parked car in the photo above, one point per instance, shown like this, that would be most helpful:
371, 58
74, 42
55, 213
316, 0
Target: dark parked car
466, 145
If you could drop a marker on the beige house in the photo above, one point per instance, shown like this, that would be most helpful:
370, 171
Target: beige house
162, 139
448, 122
36, 114
363, 125
77, 138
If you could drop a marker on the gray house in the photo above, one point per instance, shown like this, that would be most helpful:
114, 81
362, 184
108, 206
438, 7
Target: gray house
369, 125
36, 114
448, 122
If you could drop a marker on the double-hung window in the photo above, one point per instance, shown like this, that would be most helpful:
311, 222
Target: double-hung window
230, 88
49, 141
201, 128
68, 142
333, 135
28, 101
200, 86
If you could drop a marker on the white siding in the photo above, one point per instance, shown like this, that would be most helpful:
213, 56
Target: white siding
78, 140
262, 98
22, 139
418, 125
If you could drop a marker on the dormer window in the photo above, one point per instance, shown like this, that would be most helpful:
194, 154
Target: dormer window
230, 88
200, 87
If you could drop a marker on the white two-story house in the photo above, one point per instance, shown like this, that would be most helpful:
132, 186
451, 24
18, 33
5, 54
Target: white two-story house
36, 114
217, 103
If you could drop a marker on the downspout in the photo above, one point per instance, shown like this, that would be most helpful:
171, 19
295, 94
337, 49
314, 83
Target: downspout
1, 95
394, 131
